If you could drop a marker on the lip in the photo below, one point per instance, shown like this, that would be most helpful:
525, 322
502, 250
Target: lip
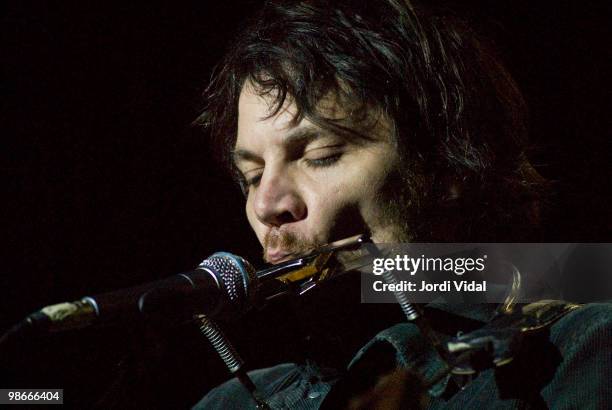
278, 256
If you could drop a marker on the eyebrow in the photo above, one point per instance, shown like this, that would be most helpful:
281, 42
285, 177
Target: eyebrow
303, 135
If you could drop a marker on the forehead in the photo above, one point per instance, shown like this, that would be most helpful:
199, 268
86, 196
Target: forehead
254, 121
257, 126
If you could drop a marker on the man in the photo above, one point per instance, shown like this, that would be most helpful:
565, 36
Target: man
395, 120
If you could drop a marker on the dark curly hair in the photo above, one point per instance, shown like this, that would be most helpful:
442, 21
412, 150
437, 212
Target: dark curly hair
459, 119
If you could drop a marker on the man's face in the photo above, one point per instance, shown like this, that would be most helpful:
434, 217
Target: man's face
308, 186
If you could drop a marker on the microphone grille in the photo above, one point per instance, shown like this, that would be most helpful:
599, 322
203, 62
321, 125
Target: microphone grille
234, 274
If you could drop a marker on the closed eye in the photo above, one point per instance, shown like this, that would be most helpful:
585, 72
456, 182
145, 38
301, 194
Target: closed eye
254, 180
324, 161
246, 183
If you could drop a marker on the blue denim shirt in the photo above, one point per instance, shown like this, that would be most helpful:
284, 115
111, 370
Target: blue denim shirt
573, 370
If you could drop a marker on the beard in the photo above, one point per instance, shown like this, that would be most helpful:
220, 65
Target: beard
403, 200
290, 242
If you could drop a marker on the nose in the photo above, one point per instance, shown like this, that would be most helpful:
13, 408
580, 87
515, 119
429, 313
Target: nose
277, 200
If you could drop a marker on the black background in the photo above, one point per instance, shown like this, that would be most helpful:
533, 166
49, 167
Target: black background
109, 185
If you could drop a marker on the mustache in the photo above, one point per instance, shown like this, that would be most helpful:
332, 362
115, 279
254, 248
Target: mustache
288, 242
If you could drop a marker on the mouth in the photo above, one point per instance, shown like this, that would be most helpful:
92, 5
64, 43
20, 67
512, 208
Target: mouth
278, 256
283, 255
283, 246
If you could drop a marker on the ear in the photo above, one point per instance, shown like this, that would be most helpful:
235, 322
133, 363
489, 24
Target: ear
447, 210
454, 190
451, 189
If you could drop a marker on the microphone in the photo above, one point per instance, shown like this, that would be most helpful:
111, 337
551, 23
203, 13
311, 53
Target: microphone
222, 284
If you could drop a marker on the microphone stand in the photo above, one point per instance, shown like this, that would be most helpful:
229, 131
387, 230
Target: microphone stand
230, 357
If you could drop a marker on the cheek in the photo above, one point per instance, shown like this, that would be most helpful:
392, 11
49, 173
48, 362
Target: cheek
333, 198
357, 186
325, 194
364, 187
